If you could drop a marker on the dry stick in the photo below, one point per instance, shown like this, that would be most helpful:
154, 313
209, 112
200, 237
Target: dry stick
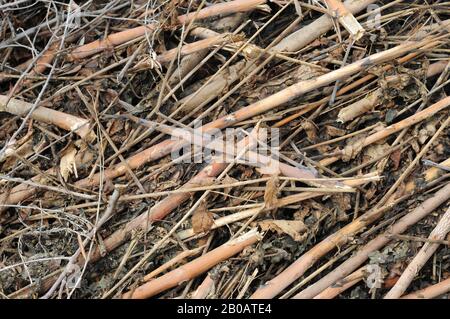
33, 184
175, 260
430, 291
193, 61
413, 164
130, 34
137, 139
195, 47
420, 239
430, 174
188, 233
342, 285
277, 99
374, 98
204, 100
439, 232
73, 259
250, 50
377, 243
204, 289
346, 18
312, 31
194, 267
174, 200
92, 110
46, 58
22, 192
317, 271
63, 120
294, 41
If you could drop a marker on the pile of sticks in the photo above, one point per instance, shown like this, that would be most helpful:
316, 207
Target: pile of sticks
333, 182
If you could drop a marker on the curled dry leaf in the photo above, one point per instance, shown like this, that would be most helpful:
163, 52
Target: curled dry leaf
294, 228
311, 130
271, 192
334, 131
67, 164
427, 131
202, 219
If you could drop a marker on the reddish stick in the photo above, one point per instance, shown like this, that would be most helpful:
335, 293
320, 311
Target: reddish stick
194, 267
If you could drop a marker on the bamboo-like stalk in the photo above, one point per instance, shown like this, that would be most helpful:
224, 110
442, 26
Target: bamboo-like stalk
430, 292
118, 38
351, 264
342, 285
159, 150
194, 267
312, 31
194, 47
204, 289
63, 120
175, 260
439, 232
298, 268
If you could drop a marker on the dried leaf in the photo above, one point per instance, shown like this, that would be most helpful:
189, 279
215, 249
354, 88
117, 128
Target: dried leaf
352, 150
311, 130
67, 164
334, 131
396, 157
376, 150
271, 192
202, 219
294, 228
427, 132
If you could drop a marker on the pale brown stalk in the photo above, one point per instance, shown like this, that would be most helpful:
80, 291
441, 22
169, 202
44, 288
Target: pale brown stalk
430, 292
194, 267
63, 120
118, 38
342, 285
374, 98
428, 249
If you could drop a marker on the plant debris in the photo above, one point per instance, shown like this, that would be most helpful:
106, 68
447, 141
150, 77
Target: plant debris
225, 149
